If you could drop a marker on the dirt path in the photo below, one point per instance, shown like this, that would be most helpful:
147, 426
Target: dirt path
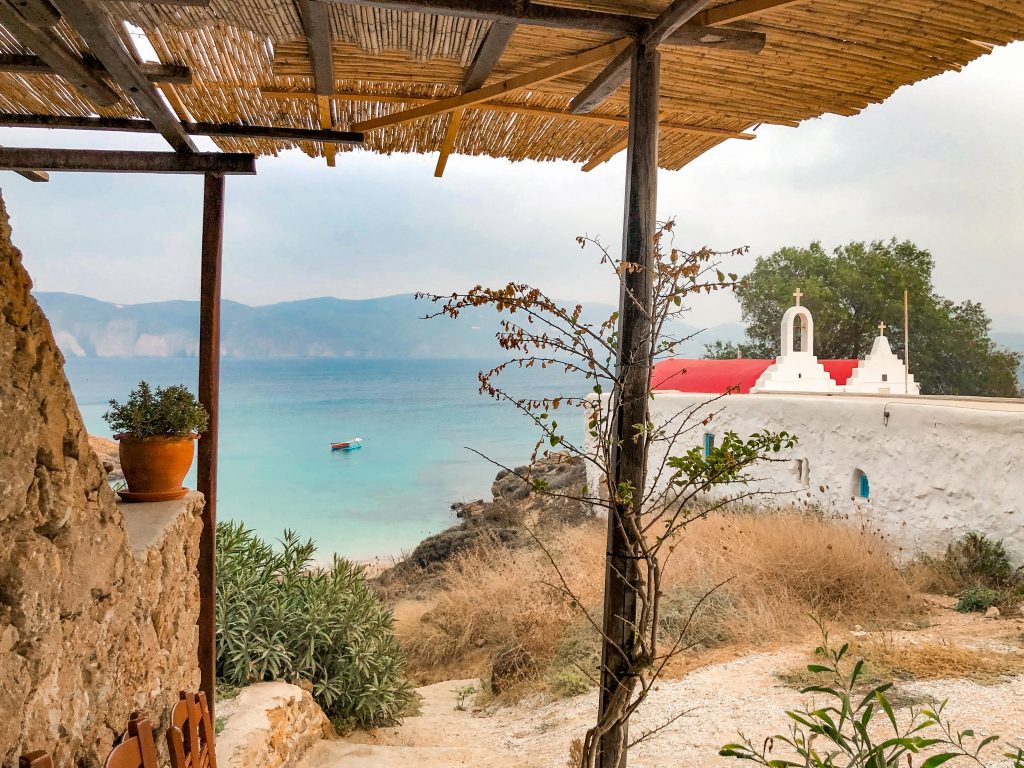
720, 700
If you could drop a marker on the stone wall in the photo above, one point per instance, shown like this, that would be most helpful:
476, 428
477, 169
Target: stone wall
89, 629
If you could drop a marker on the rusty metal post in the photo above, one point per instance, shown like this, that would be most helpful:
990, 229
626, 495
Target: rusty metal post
209, 393
629, 463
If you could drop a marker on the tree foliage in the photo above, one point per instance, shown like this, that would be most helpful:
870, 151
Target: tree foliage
857, 286
281, 617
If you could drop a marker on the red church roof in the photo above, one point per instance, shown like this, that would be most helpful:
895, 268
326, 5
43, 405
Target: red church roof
716, 377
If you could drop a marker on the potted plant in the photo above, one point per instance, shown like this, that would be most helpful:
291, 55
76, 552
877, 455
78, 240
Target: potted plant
156, 430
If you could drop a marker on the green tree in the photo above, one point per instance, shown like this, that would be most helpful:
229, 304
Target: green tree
851, 291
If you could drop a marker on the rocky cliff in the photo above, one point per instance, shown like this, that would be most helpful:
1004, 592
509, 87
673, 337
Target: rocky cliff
89, 629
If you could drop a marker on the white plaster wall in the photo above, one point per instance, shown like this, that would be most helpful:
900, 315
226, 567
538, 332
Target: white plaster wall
938, 468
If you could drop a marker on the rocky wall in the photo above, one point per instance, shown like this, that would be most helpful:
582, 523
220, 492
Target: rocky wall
89, 630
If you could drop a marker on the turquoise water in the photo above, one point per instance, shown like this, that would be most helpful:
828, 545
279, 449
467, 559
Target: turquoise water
278, 417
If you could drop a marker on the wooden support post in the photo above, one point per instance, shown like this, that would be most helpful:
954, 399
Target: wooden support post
209, 396
629, 461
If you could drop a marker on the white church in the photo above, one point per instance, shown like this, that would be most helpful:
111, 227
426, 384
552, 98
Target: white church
921, 470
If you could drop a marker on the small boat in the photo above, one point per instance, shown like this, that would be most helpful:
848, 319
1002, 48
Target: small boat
348, 445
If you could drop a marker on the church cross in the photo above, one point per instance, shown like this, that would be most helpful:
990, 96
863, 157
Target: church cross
797, 295
881, 328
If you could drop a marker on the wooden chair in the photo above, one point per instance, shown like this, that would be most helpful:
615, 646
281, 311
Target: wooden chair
190, 738
137, 749
37, 759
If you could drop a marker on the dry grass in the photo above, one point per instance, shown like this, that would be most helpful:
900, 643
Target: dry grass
774, 570
889, 659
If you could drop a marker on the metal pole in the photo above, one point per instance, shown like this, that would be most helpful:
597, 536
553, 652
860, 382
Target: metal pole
629, 463
209, 386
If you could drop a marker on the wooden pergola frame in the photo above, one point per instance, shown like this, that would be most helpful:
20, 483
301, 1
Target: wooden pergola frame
110, 72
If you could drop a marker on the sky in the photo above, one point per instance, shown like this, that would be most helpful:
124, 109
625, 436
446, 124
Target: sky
939, 163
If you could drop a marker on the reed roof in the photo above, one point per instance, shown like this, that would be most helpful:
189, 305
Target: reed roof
251, 64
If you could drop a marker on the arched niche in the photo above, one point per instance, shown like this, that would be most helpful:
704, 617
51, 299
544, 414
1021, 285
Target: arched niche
793, 316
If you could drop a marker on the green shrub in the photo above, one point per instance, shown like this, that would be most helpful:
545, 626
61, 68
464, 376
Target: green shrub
577, 655
978, 599
975, 560
167, 411
700, 617
278, 617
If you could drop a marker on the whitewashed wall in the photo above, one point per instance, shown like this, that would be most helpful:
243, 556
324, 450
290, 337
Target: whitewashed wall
937, 468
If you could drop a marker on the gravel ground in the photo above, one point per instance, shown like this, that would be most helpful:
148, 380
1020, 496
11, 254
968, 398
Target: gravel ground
742, 695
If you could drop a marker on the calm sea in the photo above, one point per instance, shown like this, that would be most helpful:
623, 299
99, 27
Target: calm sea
278, 418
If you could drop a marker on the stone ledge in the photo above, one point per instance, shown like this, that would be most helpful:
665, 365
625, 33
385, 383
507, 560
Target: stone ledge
147, 523
269, 725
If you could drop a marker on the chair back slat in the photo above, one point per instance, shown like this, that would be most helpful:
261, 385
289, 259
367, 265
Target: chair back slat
137, 749
37, 759
190, 738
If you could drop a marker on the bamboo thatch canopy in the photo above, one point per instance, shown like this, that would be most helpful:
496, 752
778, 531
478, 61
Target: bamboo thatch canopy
252, 62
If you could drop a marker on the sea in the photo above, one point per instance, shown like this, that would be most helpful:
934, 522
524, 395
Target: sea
423, 423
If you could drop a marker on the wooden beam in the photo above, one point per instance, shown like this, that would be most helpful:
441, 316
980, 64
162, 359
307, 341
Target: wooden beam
671, 19
197, 3
606, 154
214, 130
627, 460
209, 396
36, 176
597, 91
449, 142
38, 13
717, 39
323, 110
521, 109
316, 25
487, 55
96, 30
58, 56
515, 12
742, 9
534, 14
117, 161
543, 74
177, 74
615, 74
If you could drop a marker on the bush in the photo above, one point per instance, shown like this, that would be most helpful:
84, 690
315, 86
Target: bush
278, 617
171, 411
973, 560
978, 599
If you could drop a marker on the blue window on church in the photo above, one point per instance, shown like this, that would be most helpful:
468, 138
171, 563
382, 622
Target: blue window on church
865, 487
709, 444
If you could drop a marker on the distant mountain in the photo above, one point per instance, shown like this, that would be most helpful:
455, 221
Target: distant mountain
386, 327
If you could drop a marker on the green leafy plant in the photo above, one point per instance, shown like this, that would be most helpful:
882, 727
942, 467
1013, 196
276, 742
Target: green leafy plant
165, 411
462, 695
279, 616
844, 732
977, 599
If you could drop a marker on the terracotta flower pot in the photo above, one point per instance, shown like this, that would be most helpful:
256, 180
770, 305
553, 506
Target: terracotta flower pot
155, 467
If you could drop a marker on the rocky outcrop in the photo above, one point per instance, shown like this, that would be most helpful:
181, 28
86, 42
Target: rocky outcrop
516, 504
269, 725
89, 630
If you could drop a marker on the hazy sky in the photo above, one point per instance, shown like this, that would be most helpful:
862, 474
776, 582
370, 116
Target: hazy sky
939, 163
